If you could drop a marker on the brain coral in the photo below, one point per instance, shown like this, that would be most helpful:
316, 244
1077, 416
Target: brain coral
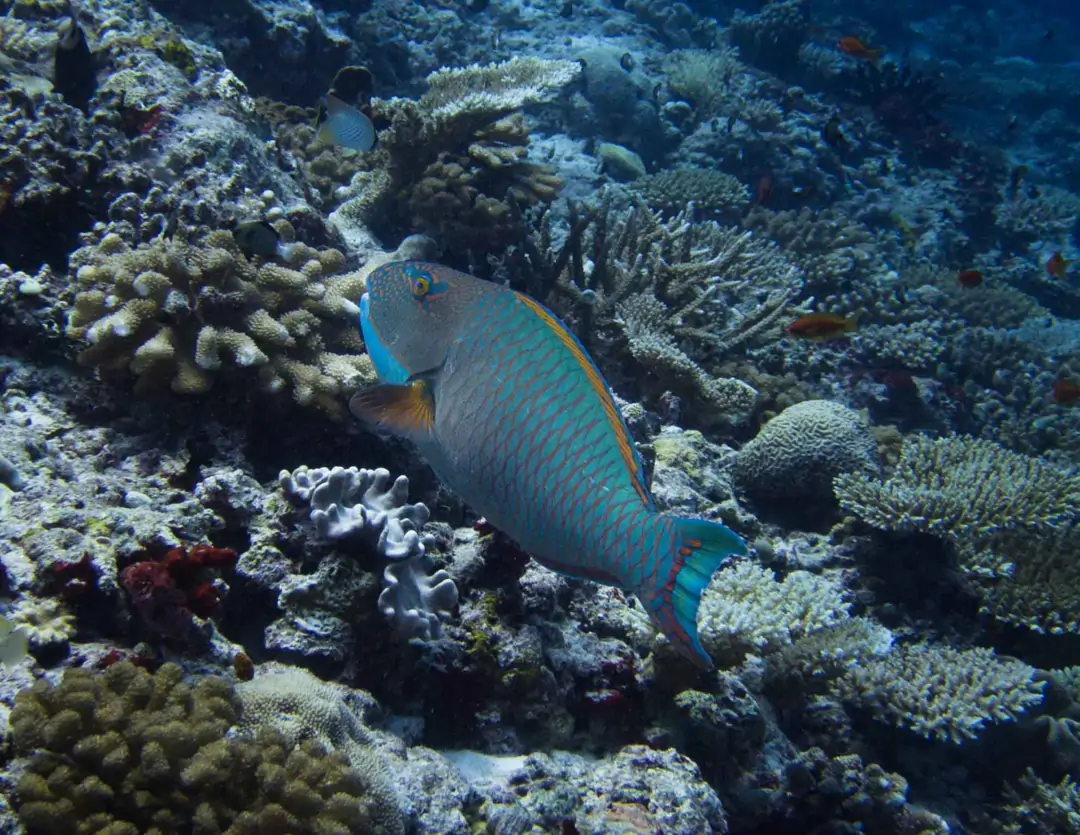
799, 452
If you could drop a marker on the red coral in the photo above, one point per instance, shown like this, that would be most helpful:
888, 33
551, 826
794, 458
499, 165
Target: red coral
169, 592
74, 581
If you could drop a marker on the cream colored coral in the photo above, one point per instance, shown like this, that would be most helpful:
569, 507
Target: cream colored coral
746, 610
940, 692
43, 621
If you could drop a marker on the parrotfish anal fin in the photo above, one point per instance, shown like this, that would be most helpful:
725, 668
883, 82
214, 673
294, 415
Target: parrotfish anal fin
626, 445
407, 410
701, 547
595, 575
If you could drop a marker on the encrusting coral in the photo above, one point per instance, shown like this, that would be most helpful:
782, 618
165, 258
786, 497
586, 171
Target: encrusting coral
184, 314
130, 753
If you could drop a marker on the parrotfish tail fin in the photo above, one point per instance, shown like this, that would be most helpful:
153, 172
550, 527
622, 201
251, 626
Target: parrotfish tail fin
700, 547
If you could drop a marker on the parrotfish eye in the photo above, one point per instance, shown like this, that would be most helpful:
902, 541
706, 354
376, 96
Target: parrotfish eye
420, 286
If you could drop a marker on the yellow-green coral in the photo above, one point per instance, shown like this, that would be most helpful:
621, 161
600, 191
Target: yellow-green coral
128, 753
183, 314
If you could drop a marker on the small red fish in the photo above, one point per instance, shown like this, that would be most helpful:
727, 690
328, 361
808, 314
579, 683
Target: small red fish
1066, 391
1057, 265
969, 278
764, 189
853, 46
823, 327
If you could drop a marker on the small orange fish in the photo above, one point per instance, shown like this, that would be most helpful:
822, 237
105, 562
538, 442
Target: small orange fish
764, 189
823, 327
1066, 391
1057, 265
969, 278
850, 45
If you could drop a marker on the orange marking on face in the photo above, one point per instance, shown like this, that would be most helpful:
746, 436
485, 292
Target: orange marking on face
626, 446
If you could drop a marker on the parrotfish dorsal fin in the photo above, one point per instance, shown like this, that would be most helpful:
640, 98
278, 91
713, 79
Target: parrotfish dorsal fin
407, 410
627, 449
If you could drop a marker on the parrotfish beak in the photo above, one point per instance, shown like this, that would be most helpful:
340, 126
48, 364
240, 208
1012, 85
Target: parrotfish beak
386, 366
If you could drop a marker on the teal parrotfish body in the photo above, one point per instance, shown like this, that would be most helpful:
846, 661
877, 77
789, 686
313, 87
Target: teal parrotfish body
515, 418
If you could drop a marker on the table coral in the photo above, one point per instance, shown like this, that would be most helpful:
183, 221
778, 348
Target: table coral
184, 314
455, 157
940, 692
127, 752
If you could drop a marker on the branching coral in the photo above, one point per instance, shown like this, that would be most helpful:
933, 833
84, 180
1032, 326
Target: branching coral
452, 163
746, 610
713, 193
184, 314
940, 692
128, 753
1009, 516
702, 77
683, 293
962, 488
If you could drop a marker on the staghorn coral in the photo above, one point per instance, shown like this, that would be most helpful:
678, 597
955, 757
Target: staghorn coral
940, 692
455, 158
127, 752
800, 451
713, 193
184, 314
1035, 806
962, 488
827, 653
683, 293
746, 610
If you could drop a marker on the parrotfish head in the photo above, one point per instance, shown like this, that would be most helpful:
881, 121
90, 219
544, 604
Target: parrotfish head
412, 312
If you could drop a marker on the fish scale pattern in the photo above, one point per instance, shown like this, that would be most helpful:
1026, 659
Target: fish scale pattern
537, 451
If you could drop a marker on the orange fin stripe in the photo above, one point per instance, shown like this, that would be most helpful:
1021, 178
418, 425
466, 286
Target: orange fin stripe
626, 446
407, 407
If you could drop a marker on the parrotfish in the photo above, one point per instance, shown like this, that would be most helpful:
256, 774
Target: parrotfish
513, 416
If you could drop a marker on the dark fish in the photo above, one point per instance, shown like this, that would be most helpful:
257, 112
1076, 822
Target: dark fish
353, 84
257, 237
1066, 391
567, 9
1012, 123
833, 133
1048, 35
476, 5
764, 189
627, 61
74, 71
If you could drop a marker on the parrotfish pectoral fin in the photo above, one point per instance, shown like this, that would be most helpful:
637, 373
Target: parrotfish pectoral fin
407, 410
701, 547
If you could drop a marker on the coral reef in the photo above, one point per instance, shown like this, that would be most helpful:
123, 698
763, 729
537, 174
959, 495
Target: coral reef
129, 752
182, 315
940, 692
799, 452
